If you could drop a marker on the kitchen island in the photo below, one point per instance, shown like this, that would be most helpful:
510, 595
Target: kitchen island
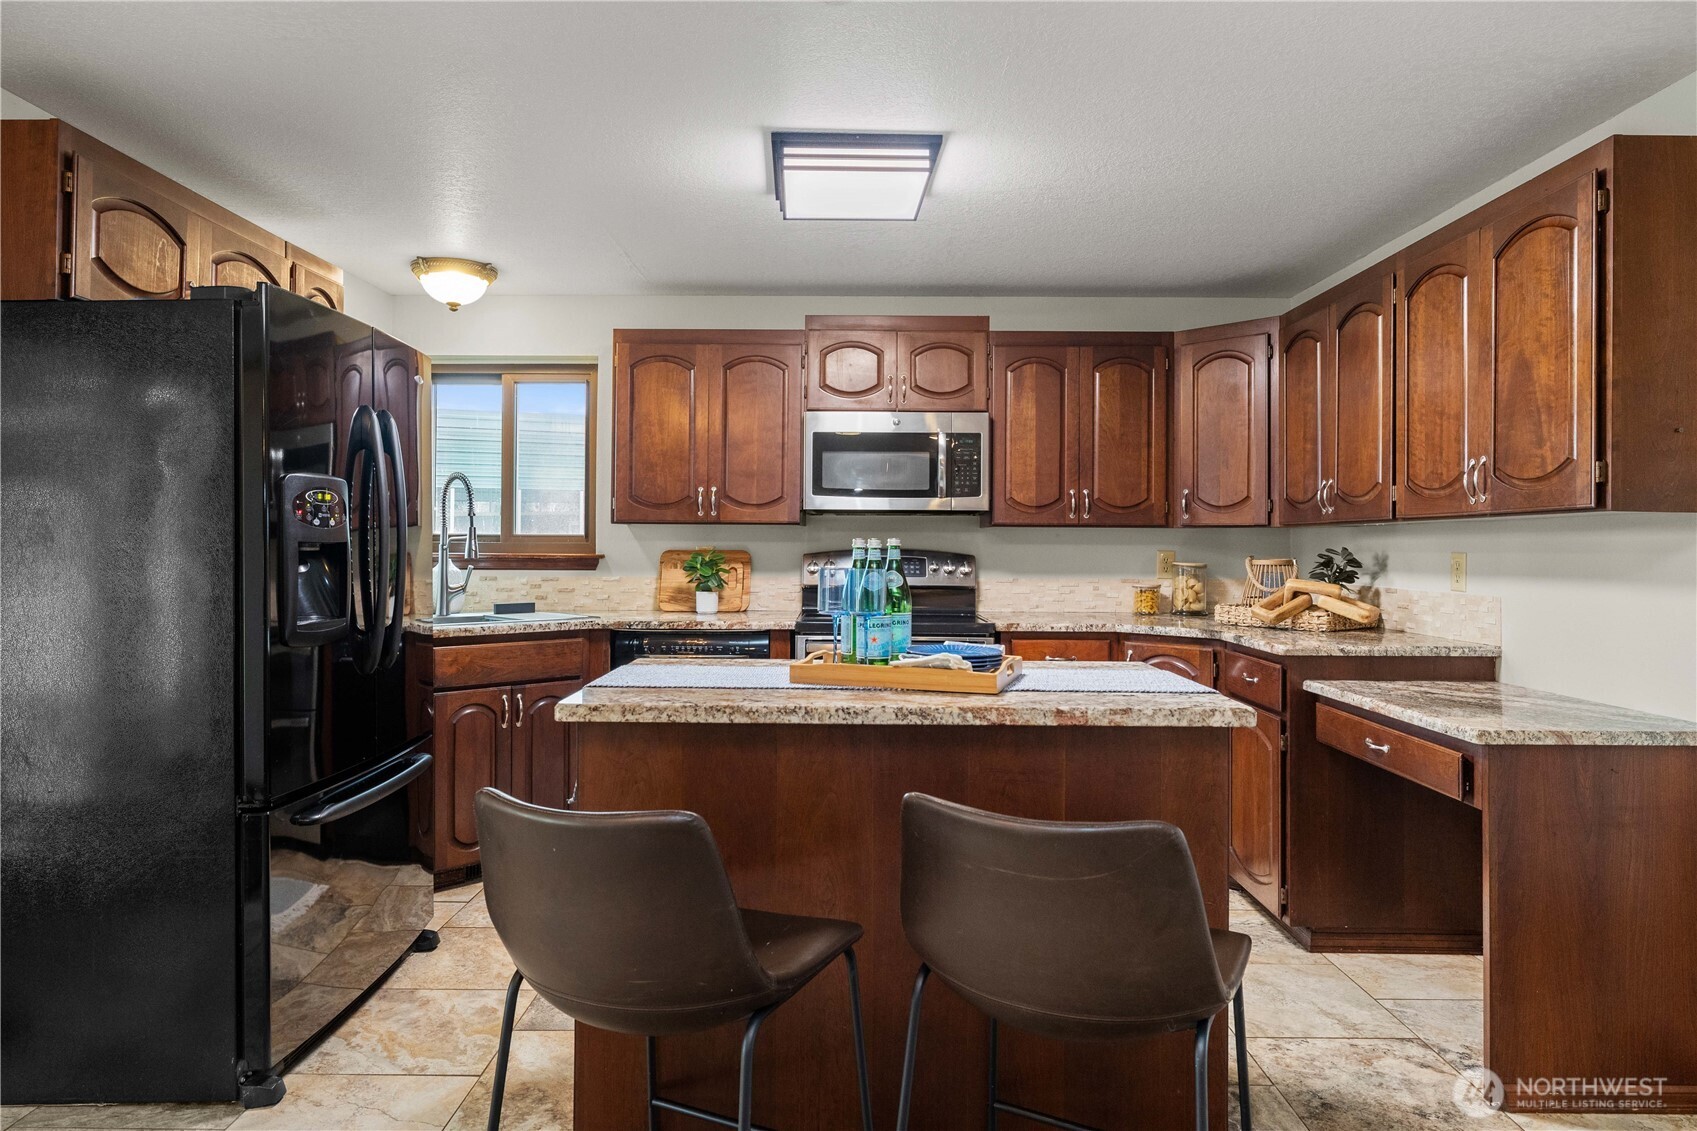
802, 788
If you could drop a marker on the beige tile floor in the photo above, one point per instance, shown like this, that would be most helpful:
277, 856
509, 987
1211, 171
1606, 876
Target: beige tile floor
1344, 1043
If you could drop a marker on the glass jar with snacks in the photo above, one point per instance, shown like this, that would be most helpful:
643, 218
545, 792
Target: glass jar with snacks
1146, 598
1190, 589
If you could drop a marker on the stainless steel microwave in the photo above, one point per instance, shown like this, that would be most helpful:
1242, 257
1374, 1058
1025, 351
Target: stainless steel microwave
896, 461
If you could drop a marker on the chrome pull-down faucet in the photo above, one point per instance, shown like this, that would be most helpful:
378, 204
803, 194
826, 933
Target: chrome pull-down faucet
450, 595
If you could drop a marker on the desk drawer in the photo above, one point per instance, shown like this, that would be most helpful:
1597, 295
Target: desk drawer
1259, 681
1425, 763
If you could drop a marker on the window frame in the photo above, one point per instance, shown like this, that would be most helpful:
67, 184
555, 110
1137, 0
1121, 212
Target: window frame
506, 549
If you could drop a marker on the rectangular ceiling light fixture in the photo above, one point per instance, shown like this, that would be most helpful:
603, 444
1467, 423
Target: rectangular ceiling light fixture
827, 176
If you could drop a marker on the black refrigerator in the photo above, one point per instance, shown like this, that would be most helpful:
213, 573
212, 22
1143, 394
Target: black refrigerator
204, 509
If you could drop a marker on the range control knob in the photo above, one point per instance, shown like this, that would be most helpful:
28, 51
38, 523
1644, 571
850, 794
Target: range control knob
966, 569
812, 567
949, 568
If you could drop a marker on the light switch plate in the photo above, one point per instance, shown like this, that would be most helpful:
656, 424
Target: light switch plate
1458, 572
1164, 562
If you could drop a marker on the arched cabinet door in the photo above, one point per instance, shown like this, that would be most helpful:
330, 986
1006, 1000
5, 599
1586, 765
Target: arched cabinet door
1122, 435
1220, 445
940, 371
1537, 405
1299, 465
851, 369
395, 385
752, 450
1255, 848
470, 751
1033, 464
543, 754
1358, 394
127, 240
1439, 366
224, 258
654, 467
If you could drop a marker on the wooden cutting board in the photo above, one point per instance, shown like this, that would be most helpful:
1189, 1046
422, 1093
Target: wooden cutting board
677, 594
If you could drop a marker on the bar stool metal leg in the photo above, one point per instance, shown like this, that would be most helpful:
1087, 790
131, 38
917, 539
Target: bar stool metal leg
745, 1085
991, 1121
1202, 1028
1244, 1123
653, 1112
500, 1088
859, 1041
912, 1047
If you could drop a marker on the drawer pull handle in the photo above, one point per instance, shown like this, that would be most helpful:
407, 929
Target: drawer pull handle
518, 719
1249, 678
1377, 747
506, 709
1061, 659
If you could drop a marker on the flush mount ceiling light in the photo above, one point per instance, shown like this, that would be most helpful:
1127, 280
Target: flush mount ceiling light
828, 176
453, 282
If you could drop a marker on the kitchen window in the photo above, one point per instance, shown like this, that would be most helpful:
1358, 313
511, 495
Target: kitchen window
526, 440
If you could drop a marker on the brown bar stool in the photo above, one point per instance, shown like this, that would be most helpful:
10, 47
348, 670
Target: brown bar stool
626, 921
1075, 931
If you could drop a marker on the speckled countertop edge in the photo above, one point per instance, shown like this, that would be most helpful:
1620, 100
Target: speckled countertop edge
1501, 714
809, 705
633, 620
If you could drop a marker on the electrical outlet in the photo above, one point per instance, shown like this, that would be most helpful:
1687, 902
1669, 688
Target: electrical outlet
1458, 572
1164, 562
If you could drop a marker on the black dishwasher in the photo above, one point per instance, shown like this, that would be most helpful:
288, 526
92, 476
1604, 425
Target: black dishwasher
628, 646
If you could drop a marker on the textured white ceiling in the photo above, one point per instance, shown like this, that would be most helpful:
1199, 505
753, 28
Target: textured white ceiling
621, 148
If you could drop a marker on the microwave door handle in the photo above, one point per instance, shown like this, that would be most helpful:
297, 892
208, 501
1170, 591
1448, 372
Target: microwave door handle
396, 533
942, 465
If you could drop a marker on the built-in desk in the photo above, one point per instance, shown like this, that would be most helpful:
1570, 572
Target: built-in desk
1590, 876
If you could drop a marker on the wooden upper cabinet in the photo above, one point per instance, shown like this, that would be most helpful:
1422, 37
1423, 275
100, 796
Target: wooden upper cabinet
654, 430
1219, 450
1359, 393
707, 426
1332, 405
918, 364
128, 239
395, 385
942, 371
1078, 430
1122, 434
1534, 416
752, 446
82, 220
851, 369
1299, 471
1439, 364
222, 257
1034, 429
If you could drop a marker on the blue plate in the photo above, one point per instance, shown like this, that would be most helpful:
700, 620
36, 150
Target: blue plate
968, 652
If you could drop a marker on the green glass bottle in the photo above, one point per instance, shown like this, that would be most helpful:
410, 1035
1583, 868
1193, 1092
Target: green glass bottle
857, 570
898, 600
872, 645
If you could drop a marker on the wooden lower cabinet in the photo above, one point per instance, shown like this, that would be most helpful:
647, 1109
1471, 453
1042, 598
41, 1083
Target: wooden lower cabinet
1192, 661
500, 734
1255, 848
1070, 647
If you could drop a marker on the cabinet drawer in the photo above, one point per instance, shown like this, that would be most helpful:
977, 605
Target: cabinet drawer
1259, 681
510, 661
1192, 661
1426, 763
1062, 648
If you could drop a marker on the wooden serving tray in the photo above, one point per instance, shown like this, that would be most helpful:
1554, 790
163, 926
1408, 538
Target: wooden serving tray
676, 595
822, 668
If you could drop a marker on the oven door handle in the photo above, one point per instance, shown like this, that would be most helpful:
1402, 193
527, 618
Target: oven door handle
368, 789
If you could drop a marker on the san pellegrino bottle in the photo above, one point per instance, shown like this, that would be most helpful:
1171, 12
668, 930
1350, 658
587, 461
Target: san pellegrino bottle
898, 601
872, 645
857, 571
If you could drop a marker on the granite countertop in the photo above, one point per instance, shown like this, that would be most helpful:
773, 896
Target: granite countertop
856, 706
1501, 714
1275, 641
522, 624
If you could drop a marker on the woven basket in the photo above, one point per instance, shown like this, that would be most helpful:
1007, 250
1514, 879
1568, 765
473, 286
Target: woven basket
1312, 620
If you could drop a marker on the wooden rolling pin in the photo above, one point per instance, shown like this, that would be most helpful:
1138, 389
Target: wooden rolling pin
1350, 609
1303, 585
1284, 612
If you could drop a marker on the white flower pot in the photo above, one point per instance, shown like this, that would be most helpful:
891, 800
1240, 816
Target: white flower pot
706, 603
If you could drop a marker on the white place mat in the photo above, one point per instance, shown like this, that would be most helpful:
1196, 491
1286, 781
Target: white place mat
774, 677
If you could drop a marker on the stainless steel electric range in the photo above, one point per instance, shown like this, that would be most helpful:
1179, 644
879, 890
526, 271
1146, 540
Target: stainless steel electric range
945, 598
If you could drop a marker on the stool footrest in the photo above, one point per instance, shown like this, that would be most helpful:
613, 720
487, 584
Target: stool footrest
709, 1116
1039, 1117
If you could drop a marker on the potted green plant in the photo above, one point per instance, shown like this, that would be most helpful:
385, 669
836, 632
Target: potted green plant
706, 570
1340, 567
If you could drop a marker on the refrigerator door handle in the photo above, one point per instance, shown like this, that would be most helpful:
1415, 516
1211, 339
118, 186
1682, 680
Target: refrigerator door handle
366, 790
395, 552
365, 438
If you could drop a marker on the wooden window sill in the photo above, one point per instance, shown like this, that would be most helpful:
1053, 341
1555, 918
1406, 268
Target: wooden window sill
534, 561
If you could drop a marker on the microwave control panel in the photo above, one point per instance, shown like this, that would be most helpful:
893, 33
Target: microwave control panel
966, 465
